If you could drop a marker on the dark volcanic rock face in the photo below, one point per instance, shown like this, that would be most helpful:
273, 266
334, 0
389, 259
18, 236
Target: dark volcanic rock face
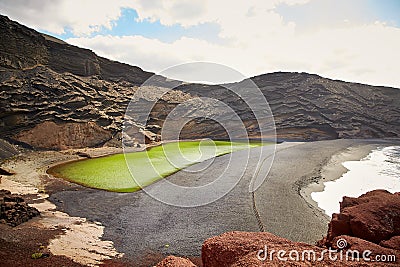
31, 97
44, 79
309, 107
20, 46
316, 107
24, 48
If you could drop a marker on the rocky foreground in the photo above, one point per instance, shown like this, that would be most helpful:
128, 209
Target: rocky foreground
57, 96
369, 224
14, 210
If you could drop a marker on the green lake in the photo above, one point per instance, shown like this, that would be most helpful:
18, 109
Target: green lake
145, 167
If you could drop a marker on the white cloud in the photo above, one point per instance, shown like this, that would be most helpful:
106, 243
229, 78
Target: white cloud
193, 12
257, 39
82, 17
260, 41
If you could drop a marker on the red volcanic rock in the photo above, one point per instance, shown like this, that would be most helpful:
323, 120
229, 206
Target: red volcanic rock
228, 248
363, 246
236, 249
393, 243
374, 216
172, 261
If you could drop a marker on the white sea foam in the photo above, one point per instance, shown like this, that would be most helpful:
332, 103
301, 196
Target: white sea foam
379, 170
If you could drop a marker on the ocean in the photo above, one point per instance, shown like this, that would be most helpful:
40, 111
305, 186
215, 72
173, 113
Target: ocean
379, 170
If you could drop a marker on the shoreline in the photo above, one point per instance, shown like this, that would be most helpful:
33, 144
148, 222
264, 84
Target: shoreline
70, 202
334, 170
284, 200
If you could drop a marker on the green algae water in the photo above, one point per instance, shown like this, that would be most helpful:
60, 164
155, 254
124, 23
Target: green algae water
112, 173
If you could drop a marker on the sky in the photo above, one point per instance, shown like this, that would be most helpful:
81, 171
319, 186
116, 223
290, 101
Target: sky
351, 40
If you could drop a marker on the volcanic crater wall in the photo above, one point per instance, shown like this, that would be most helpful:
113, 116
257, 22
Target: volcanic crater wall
48, 86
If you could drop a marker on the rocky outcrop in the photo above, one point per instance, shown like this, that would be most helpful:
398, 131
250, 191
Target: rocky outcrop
7, 150
14, 210
64, 136
370, 222
45, 79
172, 261
236, 249
393, 242
374, 217
265, 249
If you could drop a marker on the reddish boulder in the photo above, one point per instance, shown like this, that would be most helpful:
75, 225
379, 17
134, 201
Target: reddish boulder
236, 249
374, 216
228, 248
393, 243
172, 261
357, 246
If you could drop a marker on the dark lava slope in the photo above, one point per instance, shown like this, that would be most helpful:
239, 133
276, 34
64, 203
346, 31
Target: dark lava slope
55, 95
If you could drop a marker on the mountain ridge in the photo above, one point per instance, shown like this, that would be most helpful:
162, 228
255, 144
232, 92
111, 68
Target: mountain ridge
43, 80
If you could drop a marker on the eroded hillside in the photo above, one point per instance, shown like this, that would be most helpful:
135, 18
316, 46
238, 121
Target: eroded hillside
55, 95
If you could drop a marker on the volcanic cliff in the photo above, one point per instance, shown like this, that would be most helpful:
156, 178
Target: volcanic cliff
55, 96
